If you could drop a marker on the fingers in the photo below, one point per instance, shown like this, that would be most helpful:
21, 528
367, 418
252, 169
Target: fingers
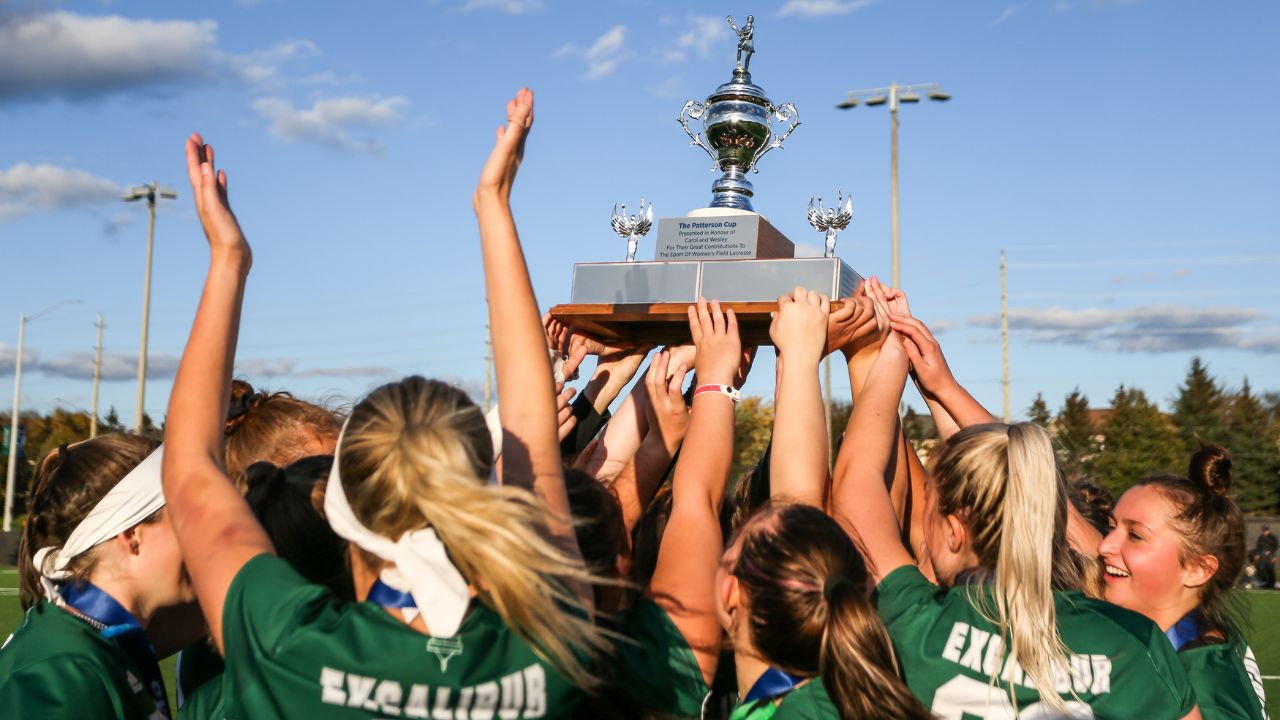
913, 328
717, 318
695, 326
676, 386
194, 160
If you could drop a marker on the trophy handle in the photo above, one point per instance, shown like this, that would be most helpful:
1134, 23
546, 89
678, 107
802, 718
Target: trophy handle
694, 110
783, 113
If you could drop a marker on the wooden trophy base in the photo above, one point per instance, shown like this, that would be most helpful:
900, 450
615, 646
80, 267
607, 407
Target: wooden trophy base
664, 323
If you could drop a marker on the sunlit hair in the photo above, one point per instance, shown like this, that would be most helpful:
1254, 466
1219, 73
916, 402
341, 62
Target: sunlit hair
1003, 483
68, 484
272, 427
804, 587
1209, 523
417, 453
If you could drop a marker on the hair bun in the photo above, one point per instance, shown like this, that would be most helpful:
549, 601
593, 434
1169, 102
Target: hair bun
264, 475
243, 400
1211, 469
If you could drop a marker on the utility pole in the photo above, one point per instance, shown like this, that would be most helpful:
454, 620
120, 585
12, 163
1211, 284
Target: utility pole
97, 378
488, 369
148, 192
893, 95
1004, 332
12, 470
826, 400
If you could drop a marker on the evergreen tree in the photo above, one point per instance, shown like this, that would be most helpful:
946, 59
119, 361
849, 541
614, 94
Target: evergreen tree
919, 427
1073, 433
1255, 458
1139, 441
1199, 410
112, 420
1039, 413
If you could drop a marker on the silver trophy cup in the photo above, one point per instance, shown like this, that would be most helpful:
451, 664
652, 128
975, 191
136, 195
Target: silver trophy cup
738, 126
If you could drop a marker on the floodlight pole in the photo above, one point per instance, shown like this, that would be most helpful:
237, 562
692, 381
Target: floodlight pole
147, 192
893, 95
12, 469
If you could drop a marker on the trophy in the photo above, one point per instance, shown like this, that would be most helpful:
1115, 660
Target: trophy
725, 251
737, 121
632, 227
831, 220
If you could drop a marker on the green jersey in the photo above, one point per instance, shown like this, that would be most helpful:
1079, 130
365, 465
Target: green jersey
1120, 664
807, 702
293, 651
1227, 681
656, 669
198, 664
55, 665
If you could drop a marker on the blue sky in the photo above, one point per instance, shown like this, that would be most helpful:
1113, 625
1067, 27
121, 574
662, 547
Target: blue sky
1122, 152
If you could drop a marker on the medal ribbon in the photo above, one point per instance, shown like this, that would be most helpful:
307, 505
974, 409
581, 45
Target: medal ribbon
123, 628
387, 596
1184, 631
773, 683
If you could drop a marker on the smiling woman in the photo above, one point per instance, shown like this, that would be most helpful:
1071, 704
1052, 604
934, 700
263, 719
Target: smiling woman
1175, 549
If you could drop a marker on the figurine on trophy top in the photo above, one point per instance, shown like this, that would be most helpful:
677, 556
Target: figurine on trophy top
632, 227
831, 220
746, 44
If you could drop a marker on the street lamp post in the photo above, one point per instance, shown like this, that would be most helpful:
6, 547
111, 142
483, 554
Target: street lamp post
892, 96
148, 192
12, 471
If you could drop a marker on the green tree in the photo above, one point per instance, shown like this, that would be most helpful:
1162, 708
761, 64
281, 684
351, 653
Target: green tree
1139, 441
919, 427
1074, 433
752, 428
1255, 466
1199, 410
1039, 413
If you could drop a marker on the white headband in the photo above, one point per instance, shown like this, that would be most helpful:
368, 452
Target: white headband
132, 500
421, 564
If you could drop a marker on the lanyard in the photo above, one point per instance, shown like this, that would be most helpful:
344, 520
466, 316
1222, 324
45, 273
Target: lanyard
387, 596
1184, 631
119, 625
772, 684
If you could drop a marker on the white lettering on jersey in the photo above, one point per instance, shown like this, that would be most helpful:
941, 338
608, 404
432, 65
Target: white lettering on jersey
516, 696
535, 691
1255, 677
331, 682
387, 696
951, 651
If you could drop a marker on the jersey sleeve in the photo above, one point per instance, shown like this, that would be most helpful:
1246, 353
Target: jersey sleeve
656, 667
903, 591
1168, 669
267, 601
57, 688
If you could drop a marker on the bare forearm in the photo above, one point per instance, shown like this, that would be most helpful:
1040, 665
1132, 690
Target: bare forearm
198, 403
704, 463
961, 407
622, 436
799, 463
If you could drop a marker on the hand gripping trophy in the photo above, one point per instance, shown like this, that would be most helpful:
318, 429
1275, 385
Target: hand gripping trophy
831, 220
632, 227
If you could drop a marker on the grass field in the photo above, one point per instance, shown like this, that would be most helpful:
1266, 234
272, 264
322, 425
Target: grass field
1264, 610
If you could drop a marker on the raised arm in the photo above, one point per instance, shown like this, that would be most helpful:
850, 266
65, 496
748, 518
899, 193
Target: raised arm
684, 581
526, 392
216, 529
799, 464
859, 496
937, 384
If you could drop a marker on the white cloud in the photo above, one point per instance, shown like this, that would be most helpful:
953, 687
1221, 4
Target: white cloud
115, 366
70, 55
510, 7
346, 371
1007, 13
116, 223
823, 8
9, 356
604, 55
262, 67
25, 188
329, 121
256, 367
703, 34
1149, 328
667, 89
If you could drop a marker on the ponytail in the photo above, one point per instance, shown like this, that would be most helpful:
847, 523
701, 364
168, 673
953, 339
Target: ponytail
1004, 482
805, 584
857, 664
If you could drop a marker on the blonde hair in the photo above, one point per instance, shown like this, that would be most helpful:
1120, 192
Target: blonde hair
1003, 482
416, 453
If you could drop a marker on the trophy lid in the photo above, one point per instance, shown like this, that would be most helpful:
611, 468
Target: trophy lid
740, 88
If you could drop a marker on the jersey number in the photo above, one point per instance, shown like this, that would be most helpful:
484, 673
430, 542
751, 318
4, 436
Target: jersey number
964, 697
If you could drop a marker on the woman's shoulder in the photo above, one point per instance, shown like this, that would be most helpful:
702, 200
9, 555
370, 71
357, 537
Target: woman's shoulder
51, 634
1097, 620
